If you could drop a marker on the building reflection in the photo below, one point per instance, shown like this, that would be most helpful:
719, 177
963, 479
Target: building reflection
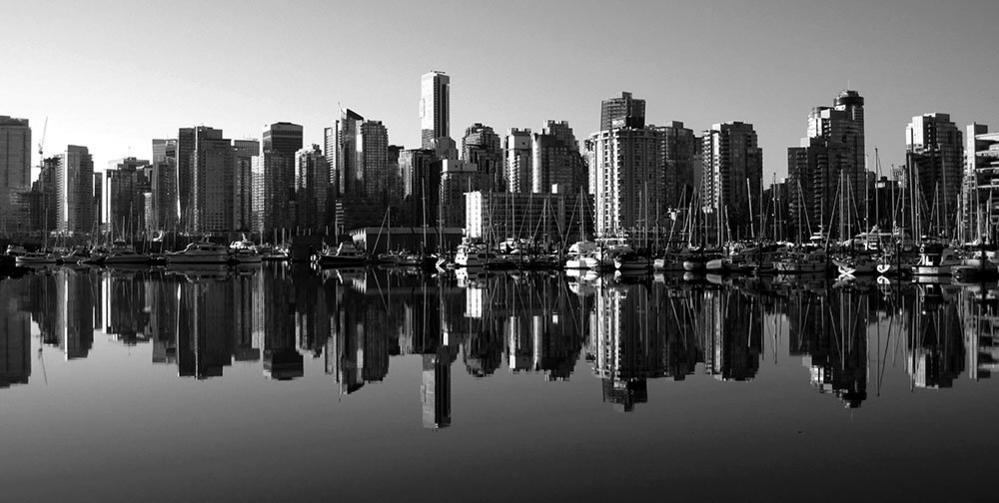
533, 325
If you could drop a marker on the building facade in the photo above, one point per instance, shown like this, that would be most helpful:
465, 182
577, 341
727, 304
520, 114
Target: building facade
626, 179
482, 146
556, 160
75, 191
126, 182
519, 157
625, 111
435, 107
544, 218
15, 168
732, 164
935, 160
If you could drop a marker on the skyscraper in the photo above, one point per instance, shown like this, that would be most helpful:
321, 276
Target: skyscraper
281, 142
435, 107
371, 159
349, 177
555, 160
75, 191
626, 179
981, 161
15, 165
481, 146
126, 184
245, 152
311, 183
163, 184
682, 166
732, 166
518, 160
831, 156
935, 158
622, 112
421, 180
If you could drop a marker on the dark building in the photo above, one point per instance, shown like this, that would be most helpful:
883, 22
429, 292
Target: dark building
622, 112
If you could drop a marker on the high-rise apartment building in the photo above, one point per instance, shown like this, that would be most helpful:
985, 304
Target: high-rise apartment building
732, 164
15, 166
421, 181
830, 157
126, 183
518, 160
981, 167
212, 191
626, 179
244, 153
75, 191
935, 160
343, 160
311, 184
682, 166
556, 160
371, 159
163, 185
625, 111
482, 147
435, 107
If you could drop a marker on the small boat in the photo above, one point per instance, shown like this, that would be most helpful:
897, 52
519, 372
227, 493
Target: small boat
38, 258
272, 253
859, 265
471, 256
122, 253
202, 252
583, 255
76, 256
802, 262
244, 251
976, 269
345, 255
16, 250
632, 262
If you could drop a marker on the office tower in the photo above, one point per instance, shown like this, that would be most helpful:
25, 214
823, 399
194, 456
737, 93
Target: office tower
283, 137
127, 182
556, 160
981, 162
163, 184
212, 193
311, 183
421, 181
100, 213
435, 107
626, 179
457, 178
830, 157
349, 177
185, 174
732, 165
15, 166
281, 142
45, 202
371, 159
682, 166
481, 146
622, 112
244, 152
518, 160
394, 176
75, 191
935, 160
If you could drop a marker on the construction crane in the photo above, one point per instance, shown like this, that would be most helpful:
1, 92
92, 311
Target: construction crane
41, 144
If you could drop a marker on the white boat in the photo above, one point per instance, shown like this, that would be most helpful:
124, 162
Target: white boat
244, 251
632, 262
36, 259
345, 255
122, 253
199, 253
860, 265
470, 256
583, 255
935, 259
16, 250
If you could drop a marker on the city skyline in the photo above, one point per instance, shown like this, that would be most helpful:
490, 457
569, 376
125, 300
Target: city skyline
910, 76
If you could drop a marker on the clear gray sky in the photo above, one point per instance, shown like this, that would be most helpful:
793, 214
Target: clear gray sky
114, 74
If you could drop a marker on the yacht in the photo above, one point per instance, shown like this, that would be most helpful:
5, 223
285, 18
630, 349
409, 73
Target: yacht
244, 252
859, 265
583, 255
199, 253
471, 256
272, 253
38, 258
345, 255
16, 250
632, 262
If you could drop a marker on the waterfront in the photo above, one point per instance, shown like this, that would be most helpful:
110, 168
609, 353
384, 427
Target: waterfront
282, 383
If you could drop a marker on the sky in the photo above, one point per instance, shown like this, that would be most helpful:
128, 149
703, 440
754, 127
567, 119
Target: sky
112, 75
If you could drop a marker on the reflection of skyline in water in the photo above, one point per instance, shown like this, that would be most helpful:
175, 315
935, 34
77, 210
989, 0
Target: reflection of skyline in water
629, 333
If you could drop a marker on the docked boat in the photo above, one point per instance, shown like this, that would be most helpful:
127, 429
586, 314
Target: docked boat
199, 253
244, 251
471, 256
976, 269
935, 259
345, 255
802, 262
76, 256
272, 253
122, 253
16, 250
632, 262
859, 265
38, 258
583, 255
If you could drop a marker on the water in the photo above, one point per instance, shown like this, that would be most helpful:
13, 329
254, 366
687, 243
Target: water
282, 384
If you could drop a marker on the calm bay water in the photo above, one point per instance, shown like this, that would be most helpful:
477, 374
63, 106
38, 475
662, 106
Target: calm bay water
281, 384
